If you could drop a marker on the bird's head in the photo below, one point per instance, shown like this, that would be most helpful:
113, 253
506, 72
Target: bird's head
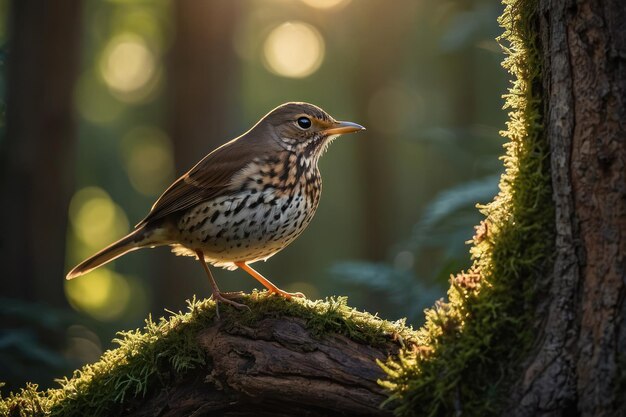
305, 128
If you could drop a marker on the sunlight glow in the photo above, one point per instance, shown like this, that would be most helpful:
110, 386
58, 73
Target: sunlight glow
105, 295
82, 344
326, 4
128, 66
149, 20
294, 49
96, 220
148, 160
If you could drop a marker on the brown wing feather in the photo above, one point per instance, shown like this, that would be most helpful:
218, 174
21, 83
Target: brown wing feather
213, 176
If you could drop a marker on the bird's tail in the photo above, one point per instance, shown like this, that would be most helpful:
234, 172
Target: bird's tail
137, 239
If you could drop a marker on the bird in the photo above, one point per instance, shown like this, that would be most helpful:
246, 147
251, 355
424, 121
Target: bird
243, 202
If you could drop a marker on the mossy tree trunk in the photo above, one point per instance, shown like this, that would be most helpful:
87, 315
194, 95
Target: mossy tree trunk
577, 364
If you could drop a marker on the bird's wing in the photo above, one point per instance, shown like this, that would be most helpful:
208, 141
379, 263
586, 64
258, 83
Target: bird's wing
213, 176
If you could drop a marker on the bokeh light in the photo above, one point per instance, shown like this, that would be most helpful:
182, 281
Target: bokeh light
96, 220
145, 19
294, 49
103, 295
326, 4
128, 67
83, 344
148, 159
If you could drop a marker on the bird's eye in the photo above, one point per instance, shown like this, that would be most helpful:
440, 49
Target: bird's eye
304, 122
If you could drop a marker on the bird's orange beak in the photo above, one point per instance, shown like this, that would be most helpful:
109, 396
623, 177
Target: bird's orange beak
340, 128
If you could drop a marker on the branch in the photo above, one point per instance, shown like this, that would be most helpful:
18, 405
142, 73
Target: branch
276, 367
281, 358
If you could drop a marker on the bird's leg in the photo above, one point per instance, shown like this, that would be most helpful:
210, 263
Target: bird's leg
266, 283
217, 295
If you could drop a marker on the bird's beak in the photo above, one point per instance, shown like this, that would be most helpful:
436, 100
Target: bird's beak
340, 128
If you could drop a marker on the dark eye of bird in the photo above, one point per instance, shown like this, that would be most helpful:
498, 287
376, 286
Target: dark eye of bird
304, 122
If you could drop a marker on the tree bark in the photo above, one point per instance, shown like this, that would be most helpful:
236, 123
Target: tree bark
35, 177
275, 368
574, 368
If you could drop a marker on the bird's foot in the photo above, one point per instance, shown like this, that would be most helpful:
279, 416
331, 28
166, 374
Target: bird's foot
271, 288
223, 298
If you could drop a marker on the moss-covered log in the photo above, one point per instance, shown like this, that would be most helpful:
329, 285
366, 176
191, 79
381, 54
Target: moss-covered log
281, 358
275, 367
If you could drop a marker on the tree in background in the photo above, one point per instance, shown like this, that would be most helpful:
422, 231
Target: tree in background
202, 88
37, 150
36, 183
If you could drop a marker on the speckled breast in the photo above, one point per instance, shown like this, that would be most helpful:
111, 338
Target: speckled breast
253, 223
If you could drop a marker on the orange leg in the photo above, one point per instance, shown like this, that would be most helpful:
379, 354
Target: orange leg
273, 289
218, 296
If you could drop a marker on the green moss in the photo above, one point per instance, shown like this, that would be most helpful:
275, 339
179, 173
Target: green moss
471, 344
146, 359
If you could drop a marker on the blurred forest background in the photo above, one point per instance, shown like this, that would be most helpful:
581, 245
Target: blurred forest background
104, 103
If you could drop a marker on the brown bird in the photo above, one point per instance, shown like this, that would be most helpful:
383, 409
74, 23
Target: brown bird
243, 202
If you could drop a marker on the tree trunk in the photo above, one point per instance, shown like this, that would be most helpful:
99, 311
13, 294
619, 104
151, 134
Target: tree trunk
201, 78
202, 89
275, 368
36, 179
574, 368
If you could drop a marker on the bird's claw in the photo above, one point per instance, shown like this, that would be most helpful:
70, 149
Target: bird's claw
223, 298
